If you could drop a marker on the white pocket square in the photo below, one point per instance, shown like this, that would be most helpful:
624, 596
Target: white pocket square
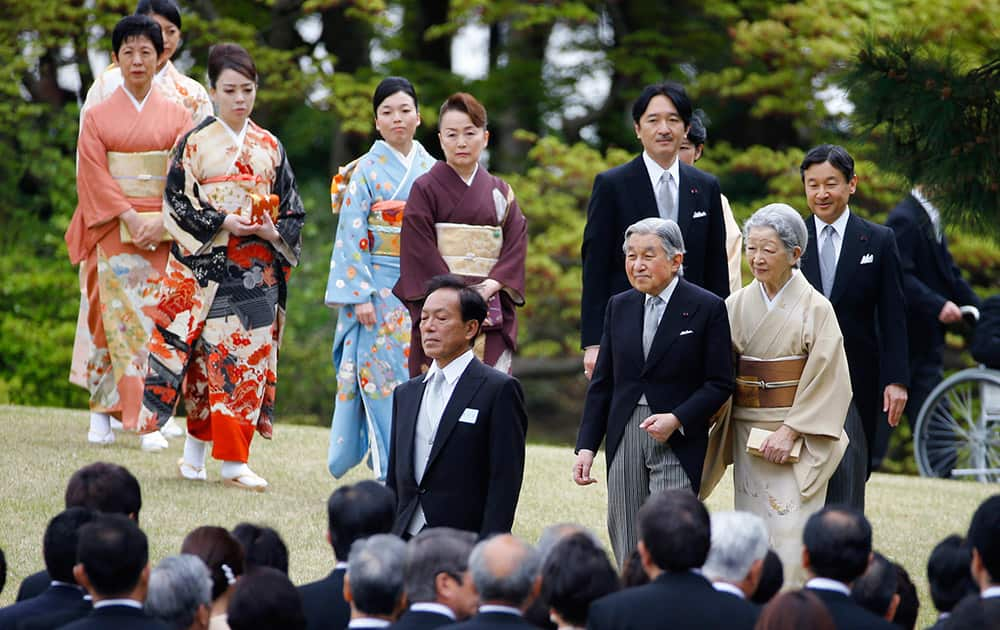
469, 416
685, 332
867, 258
699, 215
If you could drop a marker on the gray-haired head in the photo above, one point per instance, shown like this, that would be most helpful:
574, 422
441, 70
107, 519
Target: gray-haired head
503, 569
553, 534
783, 219
178, 586
375, 570
667, 230
432, 552
738, 540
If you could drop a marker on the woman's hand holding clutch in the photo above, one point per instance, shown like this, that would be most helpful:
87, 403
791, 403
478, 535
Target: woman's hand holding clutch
778, 446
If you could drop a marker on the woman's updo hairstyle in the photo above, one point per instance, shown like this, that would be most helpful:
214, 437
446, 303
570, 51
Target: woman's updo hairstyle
468, 105
221, 553
388, 87
165, 8
230, 57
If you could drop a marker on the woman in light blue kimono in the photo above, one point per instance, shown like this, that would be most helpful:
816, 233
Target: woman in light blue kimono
373, 327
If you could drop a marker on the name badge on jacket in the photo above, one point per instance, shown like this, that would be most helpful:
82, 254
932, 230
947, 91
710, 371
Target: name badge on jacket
469, 416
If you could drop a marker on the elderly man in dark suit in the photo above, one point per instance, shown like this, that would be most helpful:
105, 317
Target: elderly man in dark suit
653, 393
856, 265
654, 184
675, 536
438, 583
456, 456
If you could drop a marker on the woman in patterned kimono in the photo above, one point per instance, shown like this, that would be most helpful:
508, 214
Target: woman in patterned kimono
462, 220
373, 327
792, 382
234, 211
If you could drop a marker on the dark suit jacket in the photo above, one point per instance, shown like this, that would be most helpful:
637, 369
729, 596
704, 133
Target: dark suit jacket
420, 620
930, 276
847, 614
679, 601
116, 618
487, 621
33, 585
323, 602
64, 603
985, 346
689, 374
624, 195
871, 310
473, 477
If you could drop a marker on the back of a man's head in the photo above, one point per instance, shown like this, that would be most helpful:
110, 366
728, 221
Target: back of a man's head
875, 589
984, 536
738, 540
265, 599
908, 607
375, 574
262, 547
948, 573
358, 511
113, 552
433, 552
504, 569
772, 578
180, 591
838, 540
60, 541
674, 528
105, 487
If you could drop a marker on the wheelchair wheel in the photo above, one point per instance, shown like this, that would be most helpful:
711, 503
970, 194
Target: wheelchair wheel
957, 435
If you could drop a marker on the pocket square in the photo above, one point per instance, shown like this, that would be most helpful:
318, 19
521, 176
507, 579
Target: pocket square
867, 258
469, 416
685, 332
699, 214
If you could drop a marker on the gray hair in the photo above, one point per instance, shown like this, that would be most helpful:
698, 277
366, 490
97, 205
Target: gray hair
375, 569
554, 534
738, 540
178, 586
783, 219
668, 231
433, 551
515, 586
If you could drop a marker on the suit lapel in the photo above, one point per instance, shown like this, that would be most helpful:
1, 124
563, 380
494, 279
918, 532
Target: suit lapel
466, 387
926, 227
640, 189
679, 309
856, 238
630, 320
810, 260
685, 198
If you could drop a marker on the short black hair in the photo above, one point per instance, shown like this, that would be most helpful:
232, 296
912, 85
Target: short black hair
984, 535
876, 586
60, 542
166, 8
633, 573
672, 90
265, 599
909, 604
675, 528
389, 86
105, 487
113, 552
262, 547
133, 26
358, 511
948, 573
836, 155
434, 551
697, 133
839, 541
577, 572
772, 578
471, 304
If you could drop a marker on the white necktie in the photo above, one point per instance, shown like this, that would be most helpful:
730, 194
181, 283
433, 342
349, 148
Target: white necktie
428, 418
828, 260
650, 322
665, 197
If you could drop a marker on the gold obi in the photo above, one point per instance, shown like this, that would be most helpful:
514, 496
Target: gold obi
768, 383
469, 250
385, 221
140, 175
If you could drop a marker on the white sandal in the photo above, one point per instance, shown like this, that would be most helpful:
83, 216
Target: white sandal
190, 471
247, 481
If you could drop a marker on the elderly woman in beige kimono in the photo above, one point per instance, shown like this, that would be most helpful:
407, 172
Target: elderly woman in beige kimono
785, 434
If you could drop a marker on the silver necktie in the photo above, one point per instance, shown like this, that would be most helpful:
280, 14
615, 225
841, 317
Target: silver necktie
828, 260
665, 198
650, 323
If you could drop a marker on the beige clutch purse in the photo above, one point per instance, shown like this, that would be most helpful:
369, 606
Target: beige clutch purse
757, 437
149, 217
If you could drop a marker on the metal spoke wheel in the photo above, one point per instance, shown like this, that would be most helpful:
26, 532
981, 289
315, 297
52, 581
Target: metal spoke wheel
958, 429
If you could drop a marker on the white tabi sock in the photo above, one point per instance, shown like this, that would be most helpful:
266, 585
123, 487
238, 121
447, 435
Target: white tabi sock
100, 423
232, 470
194, 451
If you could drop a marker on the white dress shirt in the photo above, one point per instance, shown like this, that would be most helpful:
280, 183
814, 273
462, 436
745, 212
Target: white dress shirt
656, 172
826, 584
991, 592
368, 622
131, 603
665, 296
434, 607
497, 608
838, 226
726, 587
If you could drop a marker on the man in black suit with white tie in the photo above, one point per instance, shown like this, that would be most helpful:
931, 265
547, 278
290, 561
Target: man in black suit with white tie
439, 586
653, 394
855, 264
654, 184
456, 456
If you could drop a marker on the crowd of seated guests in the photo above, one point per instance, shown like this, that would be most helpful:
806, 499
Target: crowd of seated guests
689, 570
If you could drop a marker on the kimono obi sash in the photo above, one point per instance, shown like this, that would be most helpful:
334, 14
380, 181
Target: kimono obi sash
768, 383
385, 220
469, 250
140, 175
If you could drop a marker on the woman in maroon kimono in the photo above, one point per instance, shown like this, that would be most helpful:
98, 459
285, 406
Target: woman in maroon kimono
460, 219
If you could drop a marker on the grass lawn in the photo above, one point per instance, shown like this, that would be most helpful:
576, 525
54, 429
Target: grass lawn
42, 447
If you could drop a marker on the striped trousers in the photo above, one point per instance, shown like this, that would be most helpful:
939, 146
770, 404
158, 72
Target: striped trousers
641, 466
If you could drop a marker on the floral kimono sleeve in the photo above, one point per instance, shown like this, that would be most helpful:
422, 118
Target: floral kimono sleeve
350, 279
190, 220
291, 212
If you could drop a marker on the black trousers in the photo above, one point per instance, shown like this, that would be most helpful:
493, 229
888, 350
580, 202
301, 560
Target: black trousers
847, 485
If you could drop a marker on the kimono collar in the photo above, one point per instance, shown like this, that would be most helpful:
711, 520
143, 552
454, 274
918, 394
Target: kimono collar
768, 302
237, 137
135, 101
407, 159
468, 182
163, 72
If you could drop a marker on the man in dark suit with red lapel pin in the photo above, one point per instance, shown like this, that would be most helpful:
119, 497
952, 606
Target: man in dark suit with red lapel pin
855, 264
456, 455
654, 184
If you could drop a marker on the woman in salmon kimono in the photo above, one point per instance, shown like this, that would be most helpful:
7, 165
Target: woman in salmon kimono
115, 233
232, 206
373, 327
792, 382
462, 220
